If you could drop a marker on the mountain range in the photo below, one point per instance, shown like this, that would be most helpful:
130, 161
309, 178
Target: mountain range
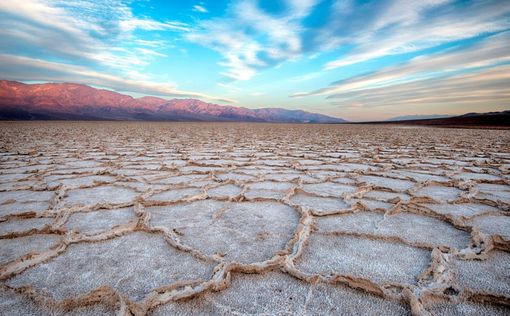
499, 120
69, 101
417, 117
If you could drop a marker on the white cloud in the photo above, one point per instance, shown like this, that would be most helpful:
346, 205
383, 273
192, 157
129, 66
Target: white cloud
489, 52
151, 25
199, 8
406, 26
477, 76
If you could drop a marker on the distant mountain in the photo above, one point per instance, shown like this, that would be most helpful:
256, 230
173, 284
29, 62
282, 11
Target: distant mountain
417, 117
468, 120
486, 114
69, 101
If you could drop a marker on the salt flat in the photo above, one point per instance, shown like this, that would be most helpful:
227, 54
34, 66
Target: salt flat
104, 218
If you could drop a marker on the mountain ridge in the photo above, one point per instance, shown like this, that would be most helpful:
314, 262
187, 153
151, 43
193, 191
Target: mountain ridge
418, 117
62, 101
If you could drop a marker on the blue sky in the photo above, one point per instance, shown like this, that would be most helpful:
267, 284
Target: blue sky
359, 60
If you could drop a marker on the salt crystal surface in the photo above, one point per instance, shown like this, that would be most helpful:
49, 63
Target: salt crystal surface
98, 221
465, 210
224, 191
25, 196
493, 225
246, 232
439, 193
18, 208
274, 293
329, 189
383, 261
490, 276
407, 226
468, 309
101, 194
382, 182
175, 194
21, 225
13, 248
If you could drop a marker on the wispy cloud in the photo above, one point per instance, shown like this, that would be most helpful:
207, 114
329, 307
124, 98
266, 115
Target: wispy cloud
408, 26
250, 39
199, 8
484, 88
151, 25
489, 52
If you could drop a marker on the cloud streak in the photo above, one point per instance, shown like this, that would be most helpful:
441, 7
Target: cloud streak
489, 52
199, 8
489, 87
423, 25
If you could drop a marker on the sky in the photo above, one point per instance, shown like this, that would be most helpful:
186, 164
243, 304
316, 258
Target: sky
358, 60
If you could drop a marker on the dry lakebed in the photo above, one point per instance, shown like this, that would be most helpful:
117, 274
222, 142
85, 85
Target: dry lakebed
120, 218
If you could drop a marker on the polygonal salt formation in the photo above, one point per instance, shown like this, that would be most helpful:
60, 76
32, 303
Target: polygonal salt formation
320, 205
16, 208
493, 225
396, 185
99, 221
461, 210
329, 189
245, 232
226, 191
7, 197
377, 260
134, 264
14, 248
107, 194
439, 193
412, 228
274, 293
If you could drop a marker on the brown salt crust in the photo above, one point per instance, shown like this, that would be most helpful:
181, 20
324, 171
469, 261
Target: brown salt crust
421, 210
487, 298
104, 295
46, 229
24, 215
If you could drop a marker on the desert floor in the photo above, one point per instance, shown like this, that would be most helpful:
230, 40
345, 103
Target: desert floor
236, 219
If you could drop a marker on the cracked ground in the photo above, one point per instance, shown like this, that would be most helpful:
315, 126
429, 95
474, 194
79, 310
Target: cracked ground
106, 218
